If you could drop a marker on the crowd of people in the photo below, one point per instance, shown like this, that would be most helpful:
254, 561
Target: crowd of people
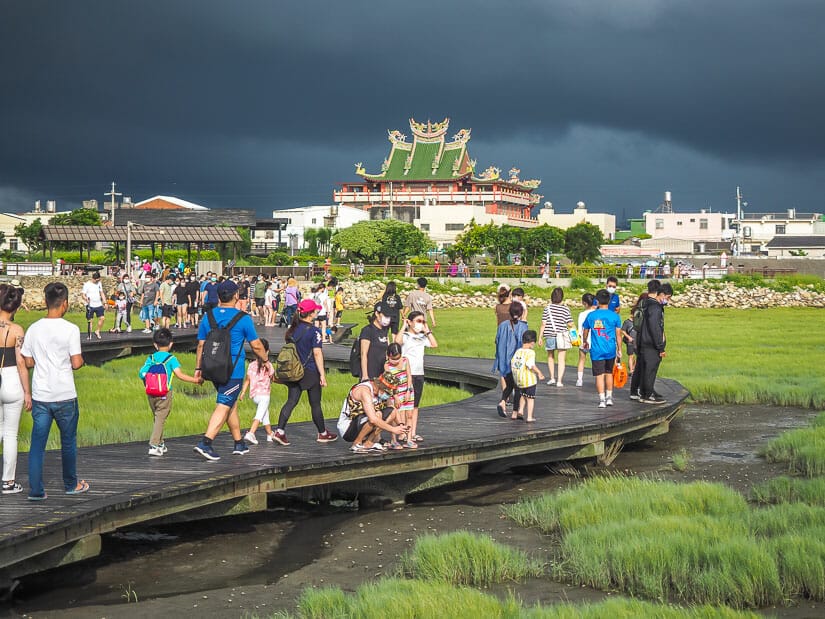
600, 335
387, 358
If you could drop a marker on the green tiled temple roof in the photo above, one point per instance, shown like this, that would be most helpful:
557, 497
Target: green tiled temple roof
422, 162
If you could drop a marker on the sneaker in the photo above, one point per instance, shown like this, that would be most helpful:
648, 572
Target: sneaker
11, 487
163, 447
207, 452
129, 329
250, 438
377, 447
240, 448
270, 438
609, 401
578, 383
279, 436
155, 450
146, 331
653, 399
635, 396
602, 403
559, 385
358, 448
326, 437
552, 381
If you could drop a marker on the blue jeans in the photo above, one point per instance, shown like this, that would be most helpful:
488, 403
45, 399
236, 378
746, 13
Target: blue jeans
289, 312
65, 414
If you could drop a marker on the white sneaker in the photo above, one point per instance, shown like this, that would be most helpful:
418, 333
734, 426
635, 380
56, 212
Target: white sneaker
147, 331
270, 438
559, 385
154, 450
578, 383
609, 401
129, 329
602, 404
250, 438
552, 381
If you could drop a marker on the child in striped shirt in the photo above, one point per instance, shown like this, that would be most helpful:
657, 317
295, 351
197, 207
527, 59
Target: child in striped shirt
526, 374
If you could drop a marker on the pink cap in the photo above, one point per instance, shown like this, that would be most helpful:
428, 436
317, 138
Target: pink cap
308, 305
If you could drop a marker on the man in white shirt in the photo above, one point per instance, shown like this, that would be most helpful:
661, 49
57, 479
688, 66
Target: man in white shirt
93, 297
52, 348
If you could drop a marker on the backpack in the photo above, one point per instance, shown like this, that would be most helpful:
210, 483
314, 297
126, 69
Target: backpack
216, 361
355, 358
288, 365
156, 379
639, 315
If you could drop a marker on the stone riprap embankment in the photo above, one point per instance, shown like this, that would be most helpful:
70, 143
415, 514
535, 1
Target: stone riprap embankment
363, 294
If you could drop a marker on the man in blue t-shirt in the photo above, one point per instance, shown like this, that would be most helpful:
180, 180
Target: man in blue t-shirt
226, 403
605, 345
615, 301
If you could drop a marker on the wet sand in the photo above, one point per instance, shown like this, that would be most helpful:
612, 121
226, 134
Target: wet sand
260, 563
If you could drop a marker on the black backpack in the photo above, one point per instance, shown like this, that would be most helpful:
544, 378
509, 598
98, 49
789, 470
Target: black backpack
639, 315
355, 358
216, 361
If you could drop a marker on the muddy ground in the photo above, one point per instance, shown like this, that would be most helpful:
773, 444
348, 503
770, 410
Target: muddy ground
257, 564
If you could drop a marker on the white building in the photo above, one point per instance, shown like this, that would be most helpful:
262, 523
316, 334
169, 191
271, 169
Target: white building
334, 216
701, 226
603, 221
444, 223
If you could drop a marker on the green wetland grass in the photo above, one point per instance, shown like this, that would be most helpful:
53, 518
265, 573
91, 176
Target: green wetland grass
114, 409
802, 449
401, 598
790, 490
697, 543
464, 558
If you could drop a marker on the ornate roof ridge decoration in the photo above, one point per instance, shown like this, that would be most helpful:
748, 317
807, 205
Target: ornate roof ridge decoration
492, 173
431, 132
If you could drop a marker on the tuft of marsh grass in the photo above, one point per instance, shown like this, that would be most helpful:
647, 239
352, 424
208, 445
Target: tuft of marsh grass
680, 461
790, 490
695, 543
802, 449
392, 597
465, 558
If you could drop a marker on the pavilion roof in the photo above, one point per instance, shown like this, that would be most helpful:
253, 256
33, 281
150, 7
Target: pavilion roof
141, 234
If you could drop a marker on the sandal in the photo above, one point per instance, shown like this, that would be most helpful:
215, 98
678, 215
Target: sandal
82, 486
411, 445
396, 445
417, 438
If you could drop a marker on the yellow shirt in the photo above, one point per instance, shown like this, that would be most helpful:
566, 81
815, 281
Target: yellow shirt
522, 367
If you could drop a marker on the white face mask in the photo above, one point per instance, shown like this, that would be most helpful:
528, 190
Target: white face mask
611, 289
418, 327
385, 321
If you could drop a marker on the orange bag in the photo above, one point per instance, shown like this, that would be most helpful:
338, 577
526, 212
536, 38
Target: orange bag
619, 375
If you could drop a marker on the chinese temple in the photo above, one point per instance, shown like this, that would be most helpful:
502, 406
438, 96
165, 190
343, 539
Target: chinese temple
429, 175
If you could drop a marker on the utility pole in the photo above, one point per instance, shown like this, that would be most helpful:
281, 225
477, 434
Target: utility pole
113, 194
390, 199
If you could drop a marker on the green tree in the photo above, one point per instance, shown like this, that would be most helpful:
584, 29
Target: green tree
541, 240
582, 243
30, 235
507, 241
311, 240
473, 241
379, 240
78, 217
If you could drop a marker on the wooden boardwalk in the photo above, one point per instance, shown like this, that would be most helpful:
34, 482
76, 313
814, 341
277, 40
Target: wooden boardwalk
129, 487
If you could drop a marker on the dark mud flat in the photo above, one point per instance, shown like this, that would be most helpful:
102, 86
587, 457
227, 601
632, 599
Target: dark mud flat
259, 564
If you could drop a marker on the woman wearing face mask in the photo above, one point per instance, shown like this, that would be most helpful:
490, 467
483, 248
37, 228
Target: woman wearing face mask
414, 337
373, 342
128, 289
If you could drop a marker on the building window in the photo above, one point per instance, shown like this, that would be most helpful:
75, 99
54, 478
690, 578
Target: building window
678, 223
780, 228
269, 234
703, 224
453, 227
660, 224
313, 220
13, 244
693, 220
425, 227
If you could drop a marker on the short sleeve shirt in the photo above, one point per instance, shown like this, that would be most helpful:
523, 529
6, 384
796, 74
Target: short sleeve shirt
160, 356
307, 338
521, 365
260, 382
94, 293
52, 342
419, 301
602, 324
244, 330
377, 354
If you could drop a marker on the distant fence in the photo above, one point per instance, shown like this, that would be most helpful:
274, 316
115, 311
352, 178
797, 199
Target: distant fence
19, 269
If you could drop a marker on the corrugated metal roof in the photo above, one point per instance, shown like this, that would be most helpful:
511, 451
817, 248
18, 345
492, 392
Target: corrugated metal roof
175, 218
142, 234
793, 242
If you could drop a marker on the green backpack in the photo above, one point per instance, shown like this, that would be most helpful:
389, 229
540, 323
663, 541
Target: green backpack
289, 368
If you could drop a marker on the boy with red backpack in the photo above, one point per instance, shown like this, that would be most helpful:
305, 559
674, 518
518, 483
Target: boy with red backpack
156, 374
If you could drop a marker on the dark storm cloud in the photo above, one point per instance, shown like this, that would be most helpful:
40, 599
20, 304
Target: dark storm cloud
271, 102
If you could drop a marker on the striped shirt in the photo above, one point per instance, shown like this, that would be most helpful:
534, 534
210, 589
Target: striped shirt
556, 315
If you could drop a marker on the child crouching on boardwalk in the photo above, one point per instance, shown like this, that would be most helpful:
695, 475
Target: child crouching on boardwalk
259, 383
526, 375
156, 374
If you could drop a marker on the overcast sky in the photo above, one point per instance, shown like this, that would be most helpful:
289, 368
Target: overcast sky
268, 104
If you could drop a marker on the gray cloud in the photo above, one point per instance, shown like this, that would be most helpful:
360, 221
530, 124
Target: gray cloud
268, 104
